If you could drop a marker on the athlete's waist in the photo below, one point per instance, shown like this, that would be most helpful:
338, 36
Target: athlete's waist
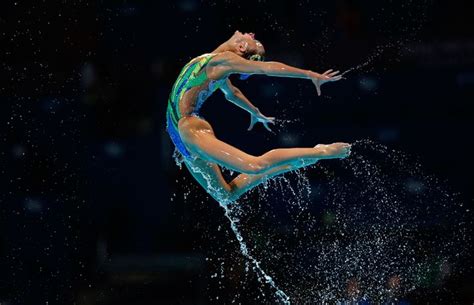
194, 114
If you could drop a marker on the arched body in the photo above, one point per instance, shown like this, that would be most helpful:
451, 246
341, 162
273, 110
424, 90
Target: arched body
194, 138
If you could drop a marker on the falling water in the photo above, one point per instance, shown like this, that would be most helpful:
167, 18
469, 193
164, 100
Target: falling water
226, 205
262, 275
376, 53
358, 233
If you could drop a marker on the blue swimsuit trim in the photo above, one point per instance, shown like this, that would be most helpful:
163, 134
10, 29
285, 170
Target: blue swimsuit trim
175, 137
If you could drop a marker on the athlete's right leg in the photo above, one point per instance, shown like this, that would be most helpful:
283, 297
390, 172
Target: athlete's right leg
202, 142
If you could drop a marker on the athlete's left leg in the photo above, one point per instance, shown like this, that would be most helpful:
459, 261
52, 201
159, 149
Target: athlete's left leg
245, 182
210, 177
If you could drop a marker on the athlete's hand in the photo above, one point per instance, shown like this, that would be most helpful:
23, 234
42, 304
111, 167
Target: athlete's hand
328, 76
259, 117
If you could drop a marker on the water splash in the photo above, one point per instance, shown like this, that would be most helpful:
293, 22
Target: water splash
376, 54
263, 277
377, 236
178, 158
375, 227
228, 205
372, 227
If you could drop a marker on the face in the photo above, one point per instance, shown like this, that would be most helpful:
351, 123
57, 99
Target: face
247, 43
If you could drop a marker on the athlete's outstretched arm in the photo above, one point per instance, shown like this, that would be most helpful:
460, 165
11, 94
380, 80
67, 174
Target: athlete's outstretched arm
234, 95
236, 64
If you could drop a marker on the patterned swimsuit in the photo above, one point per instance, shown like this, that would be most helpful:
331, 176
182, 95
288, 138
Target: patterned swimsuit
193, 74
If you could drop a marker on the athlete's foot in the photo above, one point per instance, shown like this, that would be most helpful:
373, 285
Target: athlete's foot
337, 150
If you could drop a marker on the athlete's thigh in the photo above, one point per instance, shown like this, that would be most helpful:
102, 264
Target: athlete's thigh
206, 146
209, 176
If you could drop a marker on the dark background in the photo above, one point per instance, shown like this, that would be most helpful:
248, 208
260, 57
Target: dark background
92, 206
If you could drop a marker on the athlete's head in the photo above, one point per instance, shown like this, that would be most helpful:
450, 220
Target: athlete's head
245, 45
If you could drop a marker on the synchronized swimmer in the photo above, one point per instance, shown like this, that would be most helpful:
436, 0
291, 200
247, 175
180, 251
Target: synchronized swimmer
194, 138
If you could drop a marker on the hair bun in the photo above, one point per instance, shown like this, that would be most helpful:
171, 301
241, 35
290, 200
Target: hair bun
256, 57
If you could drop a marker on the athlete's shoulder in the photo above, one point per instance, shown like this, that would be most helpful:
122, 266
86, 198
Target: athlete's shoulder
222, 64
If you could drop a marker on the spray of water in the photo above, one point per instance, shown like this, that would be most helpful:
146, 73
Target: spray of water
376, 54
372, 227
262, 275
227, 205
378, 228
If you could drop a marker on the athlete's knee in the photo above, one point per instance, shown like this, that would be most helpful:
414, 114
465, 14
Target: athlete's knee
227, 196
255, 165
222, 195
233, 194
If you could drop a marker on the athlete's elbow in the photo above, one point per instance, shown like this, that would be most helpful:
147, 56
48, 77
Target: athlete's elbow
231, 96
235, 93
273, 68
264, 68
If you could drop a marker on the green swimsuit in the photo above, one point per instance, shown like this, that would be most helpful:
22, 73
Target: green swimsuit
193, 74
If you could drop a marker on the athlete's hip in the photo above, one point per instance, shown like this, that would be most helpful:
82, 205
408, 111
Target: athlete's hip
191, 123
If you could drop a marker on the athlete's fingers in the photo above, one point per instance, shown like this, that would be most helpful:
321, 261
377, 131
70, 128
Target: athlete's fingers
252, 122
336, 78
266, 126
333, 73
328, 71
